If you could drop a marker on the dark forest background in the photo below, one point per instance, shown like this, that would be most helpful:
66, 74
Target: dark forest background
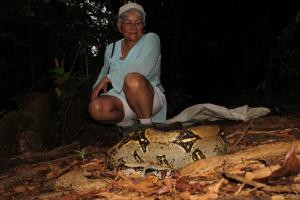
224, 52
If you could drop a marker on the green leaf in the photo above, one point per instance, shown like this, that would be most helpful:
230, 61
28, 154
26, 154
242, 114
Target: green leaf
66, 76
59, 71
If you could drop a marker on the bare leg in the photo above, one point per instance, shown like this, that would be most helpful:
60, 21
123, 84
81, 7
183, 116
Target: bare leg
106, 109
139, 95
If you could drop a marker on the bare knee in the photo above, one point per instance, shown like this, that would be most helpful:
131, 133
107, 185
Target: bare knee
134, 82
97, 109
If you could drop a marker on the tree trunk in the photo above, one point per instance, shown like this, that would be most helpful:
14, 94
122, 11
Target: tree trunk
29, 129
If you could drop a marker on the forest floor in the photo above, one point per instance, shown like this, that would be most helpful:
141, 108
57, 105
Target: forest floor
262, 162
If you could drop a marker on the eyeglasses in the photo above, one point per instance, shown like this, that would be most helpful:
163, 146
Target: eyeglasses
137, 24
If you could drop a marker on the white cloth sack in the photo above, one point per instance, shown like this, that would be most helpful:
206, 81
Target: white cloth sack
211, 112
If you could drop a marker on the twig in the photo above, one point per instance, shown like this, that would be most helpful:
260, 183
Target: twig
242, 136
285, 65
239, 190
278, 188
65, 118
256, 132
86, 60
29, 35
75, 59
2, 177
43, 156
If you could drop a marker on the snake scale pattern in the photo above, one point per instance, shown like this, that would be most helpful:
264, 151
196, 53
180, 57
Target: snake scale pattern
157, 150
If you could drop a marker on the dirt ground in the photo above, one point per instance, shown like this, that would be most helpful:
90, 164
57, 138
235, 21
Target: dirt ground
262, 162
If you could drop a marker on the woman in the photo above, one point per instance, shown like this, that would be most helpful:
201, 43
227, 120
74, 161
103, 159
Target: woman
132, 67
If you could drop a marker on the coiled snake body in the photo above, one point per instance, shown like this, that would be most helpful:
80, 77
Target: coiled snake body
157, 150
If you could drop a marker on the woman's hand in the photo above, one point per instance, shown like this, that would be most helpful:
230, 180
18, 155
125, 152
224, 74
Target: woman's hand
102, 85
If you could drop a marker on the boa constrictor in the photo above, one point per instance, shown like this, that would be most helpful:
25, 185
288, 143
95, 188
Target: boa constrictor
162, 152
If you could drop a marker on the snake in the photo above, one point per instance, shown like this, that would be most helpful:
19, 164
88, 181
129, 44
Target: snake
163, 152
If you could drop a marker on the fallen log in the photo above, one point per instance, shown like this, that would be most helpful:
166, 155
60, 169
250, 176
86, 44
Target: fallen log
38, 172
30, 158
235, 163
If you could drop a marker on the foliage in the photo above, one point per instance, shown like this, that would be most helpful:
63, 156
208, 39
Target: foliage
82, 154
51, 167
36, 31
59, 72
283, 69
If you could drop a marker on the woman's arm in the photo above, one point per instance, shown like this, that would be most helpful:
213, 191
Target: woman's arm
105, 67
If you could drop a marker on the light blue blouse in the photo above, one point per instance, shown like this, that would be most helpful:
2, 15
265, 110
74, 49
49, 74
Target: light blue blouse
144, 58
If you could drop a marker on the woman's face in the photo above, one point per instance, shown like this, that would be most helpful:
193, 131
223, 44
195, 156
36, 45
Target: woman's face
132, 27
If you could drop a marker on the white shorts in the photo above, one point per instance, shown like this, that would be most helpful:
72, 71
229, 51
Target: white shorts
158, 102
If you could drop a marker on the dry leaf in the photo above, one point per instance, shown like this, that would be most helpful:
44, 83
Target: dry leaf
290, 166
147, 185
19, 189
2, 189
183, 184
170, 183
278, 197
261, 173
163, 190
185, 195
57, 172
110, 195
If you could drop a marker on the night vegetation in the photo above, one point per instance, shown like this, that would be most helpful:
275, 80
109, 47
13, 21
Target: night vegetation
229, 53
